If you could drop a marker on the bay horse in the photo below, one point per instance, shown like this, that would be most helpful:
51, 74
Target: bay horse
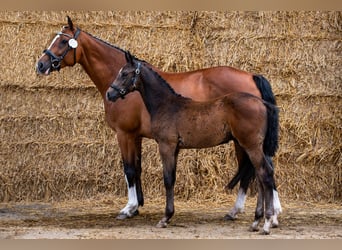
179, 122
102, 62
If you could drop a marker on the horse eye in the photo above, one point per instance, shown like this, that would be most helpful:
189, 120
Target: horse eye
124, 74
64, 42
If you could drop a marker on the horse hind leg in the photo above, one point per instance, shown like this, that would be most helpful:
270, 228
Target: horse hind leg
276, 201
264, 174
259, 211
245, 175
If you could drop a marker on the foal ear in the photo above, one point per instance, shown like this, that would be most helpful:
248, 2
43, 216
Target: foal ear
70, 24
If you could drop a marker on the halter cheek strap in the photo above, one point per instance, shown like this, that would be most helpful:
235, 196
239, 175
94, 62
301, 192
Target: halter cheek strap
137, 73
72, 44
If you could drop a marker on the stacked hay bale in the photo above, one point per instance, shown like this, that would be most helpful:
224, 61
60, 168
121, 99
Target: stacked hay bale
55, 144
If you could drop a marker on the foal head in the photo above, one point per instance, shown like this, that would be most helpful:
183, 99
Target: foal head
61, 52
127, 79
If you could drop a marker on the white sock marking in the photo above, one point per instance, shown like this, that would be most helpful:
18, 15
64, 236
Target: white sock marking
132, 204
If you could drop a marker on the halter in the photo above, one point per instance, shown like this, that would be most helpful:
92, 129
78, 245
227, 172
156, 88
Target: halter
123, 91
72, 44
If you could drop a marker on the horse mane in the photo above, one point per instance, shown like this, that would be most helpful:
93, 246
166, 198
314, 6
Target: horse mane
111, 45
105, 42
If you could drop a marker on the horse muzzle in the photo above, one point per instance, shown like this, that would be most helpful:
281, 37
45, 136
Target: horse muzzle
112, 95
43, 68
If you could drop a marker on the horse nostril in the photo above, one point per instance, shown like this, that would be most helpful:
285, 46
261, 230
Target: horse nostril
108, 96
40, 66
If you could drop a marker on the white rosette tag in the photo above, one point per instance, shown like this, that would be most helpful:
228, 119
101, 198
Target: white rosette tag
73, 43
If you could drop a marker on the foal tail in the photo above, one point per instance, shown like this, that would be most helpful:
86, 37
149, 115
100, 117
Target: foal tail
271, 138
272, 133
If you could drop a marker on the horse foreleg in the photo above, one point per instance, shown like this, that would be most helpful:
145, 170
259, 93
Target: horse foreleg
168, 156
132, 168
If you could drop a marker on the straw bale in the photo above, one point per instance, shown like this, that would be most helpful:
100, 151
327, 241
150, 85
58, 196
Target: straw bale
55, 144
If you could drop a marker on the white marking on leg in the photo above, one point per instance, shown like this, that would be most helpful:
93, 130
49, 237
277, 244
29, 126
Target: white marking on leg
267, 225
254, 226
276, 203
132, 204
239, 204
277, 209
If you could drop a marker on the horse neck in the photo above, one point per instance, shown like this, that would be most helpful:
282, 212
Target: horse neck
156, 92
101, 61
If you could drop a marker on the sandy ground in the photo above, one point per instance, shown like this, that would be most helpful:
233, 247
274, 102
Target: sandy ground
96, 220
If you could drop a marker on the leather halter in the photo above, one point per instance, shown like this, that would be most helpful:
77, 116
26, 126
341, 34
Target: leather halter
56, 60
123, 91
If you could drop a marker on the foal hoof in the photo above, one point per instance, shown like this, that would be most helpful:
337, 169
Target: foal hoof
263, 232
229, 217
123, 216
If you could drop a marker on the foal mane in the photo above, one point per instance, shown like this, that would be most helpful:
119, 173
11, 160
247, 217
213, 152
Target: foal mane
162, 80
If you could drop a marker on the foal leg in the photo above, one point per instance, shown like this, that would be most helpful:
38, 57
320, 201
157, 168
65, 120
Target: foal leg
264, 173
245, 175
131, 155
259, 210
168, 156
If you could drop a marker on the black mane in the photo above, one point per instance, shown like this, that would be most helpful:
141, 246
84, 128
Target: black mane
111, 45
163, 81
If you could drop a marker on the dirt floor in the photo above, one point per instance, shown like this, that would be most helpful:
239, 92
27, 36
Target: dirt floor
95, 219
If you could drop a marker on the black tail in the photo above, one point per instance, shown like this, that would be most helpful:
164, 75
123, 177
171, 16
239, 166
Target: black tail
271, 138
265, 89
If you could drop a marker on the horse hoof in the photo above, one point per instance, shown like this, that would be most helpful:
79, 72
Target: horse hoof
253, 229
123, 216
275, 225
229, 217
263, 232
161, 224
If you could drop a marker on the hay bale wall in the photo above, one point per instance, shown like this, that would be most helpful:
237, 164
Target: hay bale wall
55, 144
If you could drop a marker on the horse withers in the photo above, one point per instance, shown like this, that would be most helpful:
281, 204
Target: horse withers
181, 123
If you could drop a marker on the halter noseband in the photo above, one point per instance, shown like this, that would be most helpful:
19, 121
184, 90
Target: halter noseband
123, 92
72, 44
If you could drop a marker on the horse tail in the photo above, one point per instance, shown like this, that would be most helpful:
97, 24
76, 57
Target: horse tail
265, 89
272, 133
271, 138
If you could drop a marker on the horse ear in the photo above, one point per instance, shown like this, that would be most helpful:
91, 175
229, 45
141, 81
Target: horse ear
129, 57
71, 25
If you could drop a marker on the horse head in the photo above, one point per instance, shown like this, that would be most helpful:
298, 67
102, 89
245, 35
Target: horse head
126, 80
62, 50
